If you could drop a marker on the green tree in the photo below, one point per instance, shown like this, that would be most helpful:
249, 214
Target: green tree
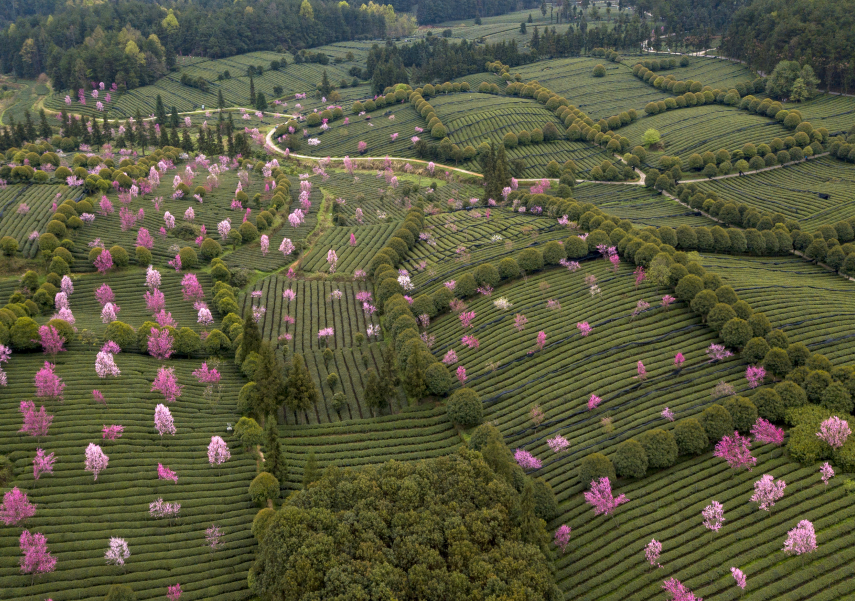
302, 392
274, 460
326, 87
303, 539
268, 378
311, 473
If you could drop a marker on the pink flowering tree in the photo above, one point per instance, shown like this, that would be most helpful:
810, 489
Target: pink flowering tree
48, 384
164, 473
584, 328
173, 593
265, 245
594, 402
526, 460
678, 591
755, 376
562, 537
466, 319
765, 432
834, 431
117, 552
104, 261
42, 464
766, 491
112, 432
51, 340
519, 322
558, 444
713, 516
826, 473
16, 508
601, 498
95, 460
36, 423
167, 384
461, 375
668, 414
160, 344
104, 294
652, 551
736, 450
213, 537
218, 451
679, 359
641, 371
739, 576
541, 340
36, 558
801, 539
163, 421
105, 365
191, 289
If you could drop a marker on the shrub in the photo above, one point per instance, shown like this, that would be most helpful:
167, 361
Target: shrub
263, 487
690, 436
120, 256
599, 71
248, 232
837, 398
743, 412
769, 404
438, 379
510, 140
508, 268
249, 432
716, 422
594, 467
630, 459
553, 252
736, 333
804, 446
688, 287
210, 249
119, 592
755, 350
815, 384
530, 260
120, 333
485, 273
660, 446
778, 362
464, 408
24, 334
441, 298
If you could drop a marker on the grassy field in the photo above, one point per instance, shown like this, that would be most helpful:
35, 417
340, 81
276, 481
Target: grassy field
794, 191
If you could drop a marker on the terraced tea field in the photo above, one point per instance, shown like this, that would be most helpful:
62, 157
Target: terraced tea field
27, 208
78, 515
640, 205
811, 304
293, 79
835, 113
705, 128
794, 191
598, 97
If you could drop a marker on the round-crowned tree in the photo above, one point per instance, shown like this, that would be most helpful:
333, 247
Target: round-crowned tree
690, 436
742, 411
264, 487
595, 466
630, 459
660, 446
716, 422
464, 408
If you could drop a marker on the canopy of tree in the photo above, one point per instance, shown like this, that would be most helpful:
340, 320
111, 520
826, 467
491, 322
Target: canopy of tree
80, 44
808, 31
444, 528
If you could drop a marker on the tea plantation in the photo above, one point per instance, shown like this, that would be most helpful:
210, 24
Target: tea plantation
507, 272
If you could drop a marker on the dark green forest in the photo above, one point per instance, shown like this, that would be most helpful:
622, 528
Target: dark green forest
818, 33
